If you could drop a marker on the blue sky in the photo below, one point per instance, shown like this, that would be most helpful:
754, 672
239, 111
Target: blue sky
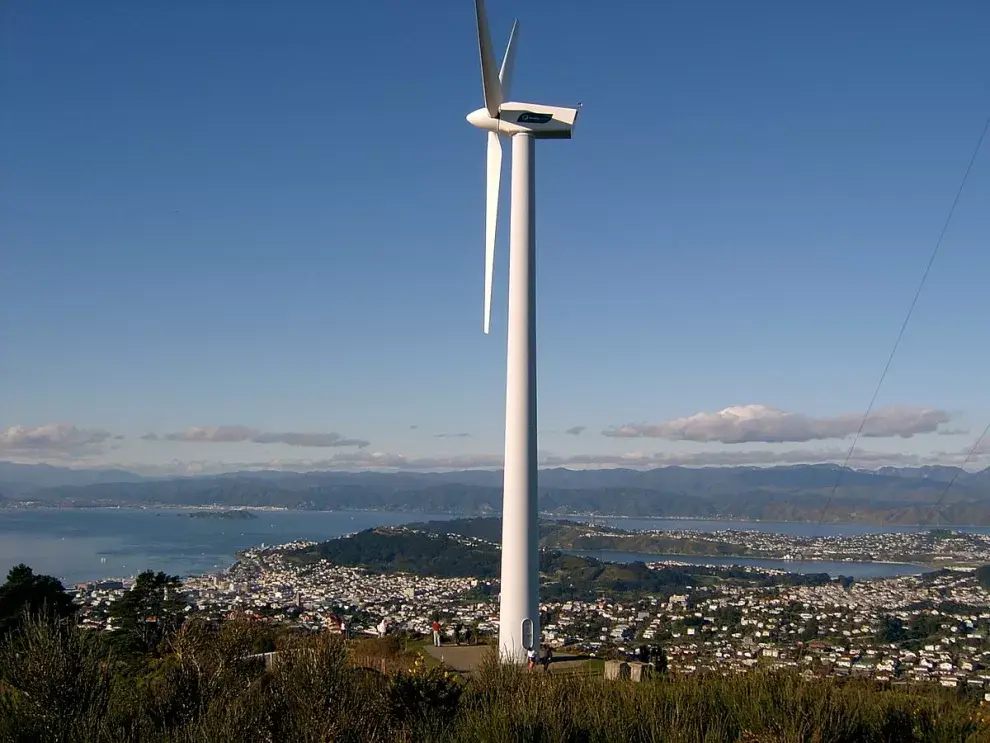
272, 217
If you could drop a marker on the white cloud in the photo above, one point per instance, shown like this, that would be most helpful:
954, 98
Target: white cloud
386, 460
980, 448
451, 435
761, 423
53, 440
355, 460
575, 430
729, 458
237, 434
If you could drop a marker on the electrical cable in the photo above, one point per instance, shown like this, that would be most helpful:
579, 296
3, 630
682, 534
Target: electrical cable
952, 480
907, 319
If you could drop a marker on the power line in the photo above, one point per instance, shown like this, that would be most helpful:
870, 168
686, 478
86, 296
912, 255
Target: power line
955, 476
907, 319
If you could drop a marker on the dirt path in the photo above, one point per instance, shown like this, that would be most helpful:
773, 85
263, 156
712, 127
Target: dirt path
465, 659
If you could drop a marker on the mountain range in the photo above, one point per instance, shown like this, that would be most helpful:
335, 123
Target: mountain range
791, 493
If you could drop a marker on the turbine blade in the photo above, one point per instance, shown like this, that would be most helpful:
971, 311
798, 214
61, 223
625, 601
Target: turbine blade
489, 76
508, 62
491, 218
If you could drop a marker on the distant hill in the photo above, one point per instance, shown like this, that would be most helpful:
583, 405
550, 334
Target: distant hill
19, 479
889, 496
449, 550
399, 550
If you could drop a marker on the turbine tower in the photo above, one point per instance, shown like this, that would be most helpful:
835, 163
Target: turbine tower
523, 123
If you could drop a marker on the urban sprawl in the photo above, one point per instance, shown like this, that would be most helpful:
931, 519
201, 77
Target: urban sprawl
848, 628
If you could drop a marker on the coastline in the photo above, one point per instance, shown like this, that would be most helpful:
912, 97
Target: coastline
16, 505
135, 538
30, 506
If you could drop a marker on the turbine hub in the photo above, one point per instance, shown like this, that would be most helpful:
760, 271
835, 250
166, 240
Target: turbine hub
482, 120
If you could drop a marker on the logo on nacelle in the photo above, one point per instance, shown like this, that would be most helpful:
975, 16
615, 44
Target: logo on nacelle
528, 117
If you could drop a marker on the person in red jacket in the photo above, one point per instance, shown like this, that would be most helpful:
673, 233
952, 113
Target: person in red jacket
436, 633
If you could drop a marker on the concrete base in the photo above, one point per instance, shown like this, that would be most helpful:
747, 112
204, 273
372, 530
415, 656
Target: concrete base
616, 670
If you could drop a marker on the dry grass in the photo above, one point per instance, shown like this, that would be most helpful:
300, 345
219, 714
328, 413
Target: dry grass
55, 686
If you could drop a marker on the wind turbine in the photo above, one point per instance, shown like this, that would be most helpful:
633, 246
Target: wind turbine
524, 123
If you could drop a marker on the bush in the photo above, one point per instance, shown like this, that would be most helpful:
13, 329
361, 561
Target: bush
422, 692
57, 683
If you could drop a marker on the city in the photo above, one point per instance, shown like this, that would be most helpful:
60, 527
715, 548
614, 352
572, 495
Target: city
925, 546
931, 628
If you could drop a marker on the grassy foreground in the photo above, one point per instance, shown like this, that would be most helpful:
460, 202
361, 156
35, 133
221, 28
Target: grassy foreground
59, 683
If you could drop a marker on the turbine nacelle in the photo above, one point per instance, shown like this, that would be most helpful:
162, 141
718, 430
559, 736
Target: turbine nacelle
543, 122
503, 117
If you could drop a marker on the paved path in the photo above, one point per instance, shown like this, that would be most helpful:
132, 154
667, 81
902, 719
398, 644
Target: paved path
467, 658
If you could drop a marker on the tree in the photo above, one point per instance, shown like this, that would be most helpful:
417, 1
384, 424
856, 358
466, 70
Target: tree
148, 613
55, 683
892, 630
659, 657
925, 625
810, 630
24, 592
728, 616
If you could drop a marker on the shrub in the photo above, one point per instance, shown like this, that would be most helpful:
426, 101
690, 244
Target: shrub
422, 693
55, 682
58, 683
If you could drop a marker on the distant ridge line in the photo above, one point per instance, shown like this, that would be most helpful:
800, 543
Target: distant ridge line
895, 496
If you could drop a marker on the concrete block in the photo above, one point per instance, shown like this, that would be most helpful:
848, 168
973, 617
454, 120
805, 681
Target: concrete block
616, 669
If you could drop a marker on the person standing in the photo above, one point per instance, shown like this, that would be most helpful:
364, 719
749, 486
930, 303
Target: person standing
436, 633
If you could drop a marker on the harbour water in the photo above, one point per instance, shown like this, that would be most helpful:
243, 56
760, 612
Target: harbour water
88, 544
77, 545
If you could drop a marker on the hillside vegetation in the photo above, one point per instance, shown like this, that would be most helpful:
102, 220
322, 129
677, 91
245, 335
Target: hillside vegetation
201, 685
456, 549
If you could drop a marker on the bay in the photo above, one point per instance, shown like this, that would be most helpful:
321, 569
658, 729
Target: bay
78, 545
